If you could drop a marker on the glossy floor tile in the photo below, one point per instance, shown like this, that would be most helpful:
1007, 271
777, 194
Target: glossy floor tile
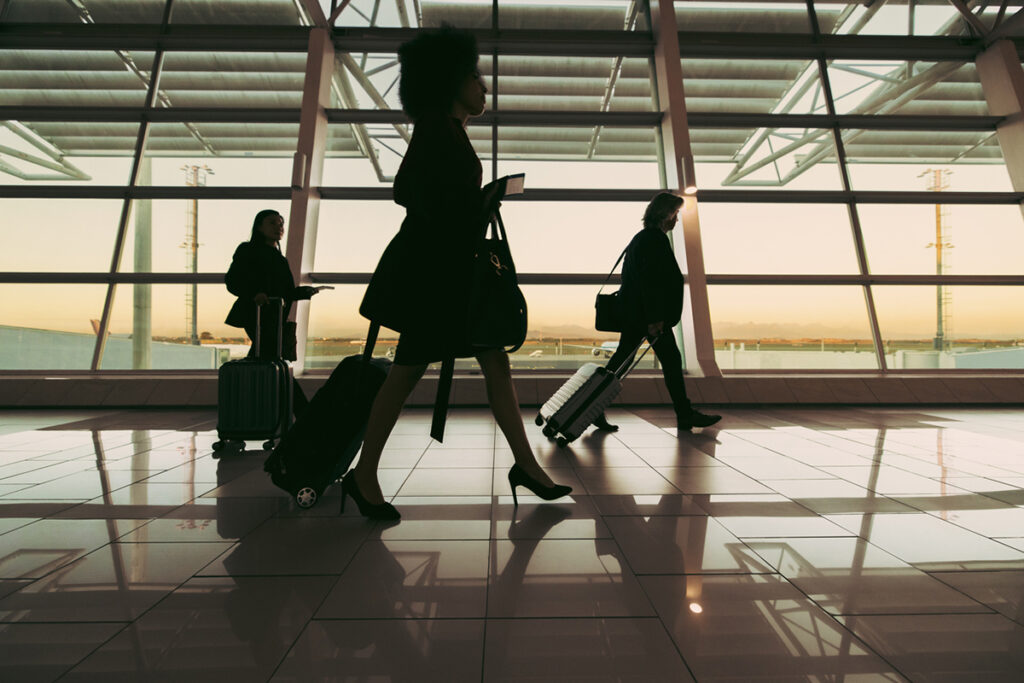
804, 544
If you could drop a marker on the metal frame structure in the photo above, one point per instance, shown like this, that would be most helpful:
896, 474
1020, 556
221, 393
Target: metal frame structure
331, 68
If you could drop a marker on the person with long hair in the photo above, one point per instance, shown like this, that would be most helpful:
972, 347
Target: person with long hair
258, 273
439, 184
652, 303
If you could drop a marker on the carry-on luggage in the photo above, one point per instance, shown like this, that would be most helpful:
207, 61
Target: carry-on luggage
579, 401
254, 395
323, 442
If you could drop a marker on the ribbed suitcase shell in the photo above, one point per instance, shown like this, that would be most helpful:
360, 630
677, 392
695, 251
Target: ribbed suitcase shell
579, 401
566, 391
584, 405
254, 399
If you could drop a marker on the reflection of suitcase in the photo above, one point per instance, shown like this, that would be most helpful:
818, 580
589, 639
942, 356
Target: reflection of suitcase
254, 397
579, 401
320, 446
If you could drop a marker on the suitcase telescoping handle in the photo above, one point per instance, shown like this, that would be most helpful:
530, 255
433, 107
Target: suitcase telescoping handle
278, 303
627, 366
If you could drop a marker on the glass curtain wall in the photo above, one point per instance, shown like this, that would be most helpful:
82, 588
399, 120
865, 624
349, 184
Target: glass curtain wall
856, 212
848, 167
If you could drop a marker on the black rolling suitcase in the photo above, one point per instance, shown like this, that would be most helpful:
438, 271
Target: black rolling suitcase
321, 445
254, 395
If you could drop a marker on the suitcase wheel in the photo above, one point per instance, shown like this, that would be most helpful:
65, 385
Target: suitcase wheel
548, 432
539, 421
219, 445
561, 442
268, 445
306, 497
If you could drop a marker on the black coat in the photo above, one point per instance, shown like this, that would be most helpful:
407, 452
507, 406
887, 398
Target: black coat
652, 284
258, 268
422, 282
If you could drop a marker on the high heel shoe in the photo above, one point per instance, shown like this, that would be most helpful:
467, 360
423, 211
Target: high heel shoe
518, 477
367, 509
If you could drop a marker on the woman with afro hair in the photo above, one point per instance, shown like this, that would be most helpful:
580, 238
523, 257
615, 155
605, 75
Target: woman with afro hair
425, 298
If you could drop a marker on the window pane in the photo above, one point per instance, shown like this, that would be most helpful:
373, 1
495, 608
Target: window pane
98, 11
589, 15
908, 88
233, 79
757, 16
222, 154
891, 166
74, 78
280, 12
64, 235
574, 83
777, 238
346, 165
570, 237
766, 158
337, 330
371, 80
791, 328
974, 327
71, 153
151, 328
977, 240
159, 231
584, 144
562, 334
49, 327
752, 86
352, 235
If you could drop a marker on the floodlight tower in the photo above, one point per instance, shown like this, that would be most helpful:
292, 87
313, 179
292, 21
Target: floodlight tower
938, 181
195, 176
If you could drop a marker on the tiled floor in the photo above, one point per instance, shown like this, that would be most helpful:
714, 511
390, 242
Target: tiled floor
786, 545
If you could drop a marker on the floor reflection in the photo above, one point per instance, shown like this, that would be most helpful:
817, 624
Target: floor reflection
805, 544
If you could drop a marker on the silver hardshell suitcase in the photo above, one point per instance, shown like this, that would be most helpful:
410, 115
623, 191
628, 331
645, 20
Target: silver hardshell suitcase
575, 406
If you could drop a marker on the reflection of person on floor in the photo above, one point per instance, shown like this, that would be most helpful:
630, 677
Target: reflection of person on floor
652, 303
525, 536
258, 273
426, 299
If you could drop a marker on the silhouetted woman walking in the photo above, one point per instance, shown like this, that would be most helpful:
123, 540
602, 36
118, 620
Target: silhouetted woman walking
652, 303
438, 183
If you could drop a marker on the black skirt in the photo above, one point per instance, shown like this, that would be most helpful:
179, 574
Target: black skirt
417, 348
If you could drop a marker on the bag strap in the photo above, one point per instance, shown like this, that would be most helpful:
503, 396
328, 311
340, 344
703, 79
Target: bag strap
444, 390
617, 261
371, 341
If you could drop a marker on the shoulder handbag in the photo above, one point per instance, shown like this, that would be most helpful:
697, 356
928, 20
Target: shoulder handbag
608, 307
497, 308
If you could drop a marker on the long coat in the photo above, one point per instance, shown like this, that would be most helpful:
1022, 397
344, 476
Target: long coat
652, 284
257, 268
421, 285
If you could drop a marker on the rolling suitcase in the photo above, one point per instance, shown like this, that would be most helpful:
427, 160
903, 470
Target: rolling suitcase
323, 442
579, 401
254, 396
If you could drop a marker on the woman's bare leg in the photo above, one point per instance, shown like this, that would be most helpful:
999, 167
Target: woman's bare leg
400, 382
501, 394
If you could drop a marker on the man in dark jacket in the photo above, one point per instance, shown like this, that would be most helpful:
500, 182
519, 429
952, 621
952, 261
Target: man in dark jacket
652, 304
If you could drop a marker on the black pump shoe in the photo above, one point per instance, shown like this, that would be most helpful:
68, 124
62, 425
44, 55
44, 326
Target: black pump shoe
518, 477
367, 509
603, 425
